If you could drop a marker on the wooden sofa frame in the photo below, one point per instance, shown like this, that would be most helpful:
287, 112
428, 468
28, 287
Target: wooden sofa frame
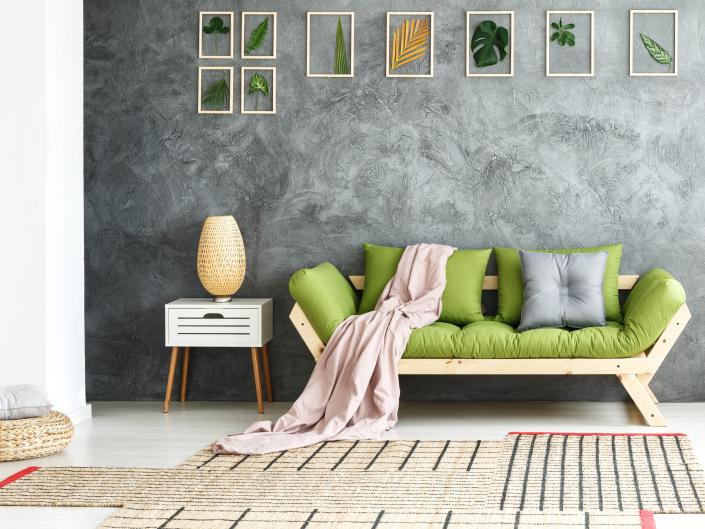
635, 373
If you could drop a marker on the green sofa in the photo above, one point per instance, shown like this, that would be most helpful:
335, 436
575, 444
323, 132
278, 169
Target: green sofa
652, 317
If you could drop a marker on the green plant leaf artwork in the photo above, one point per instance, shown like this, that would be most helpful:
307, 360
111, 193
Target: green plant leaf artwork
485, 39
340, 64
216, 25
657, 52
258, 84
216, 96
257, 36
563, 35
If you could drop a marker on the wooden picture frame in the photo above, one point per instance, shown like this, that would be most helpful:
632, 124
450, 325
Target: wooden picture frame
273, 30
273, 89
201, 52
391, 14
311, 14
591, 73
632, 12
201, 70
468, 50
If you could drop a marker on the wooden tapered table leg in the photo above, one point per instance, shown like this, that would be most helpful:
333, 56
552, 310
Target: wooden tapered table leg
184, 372
258, 383
265, 366
170, 379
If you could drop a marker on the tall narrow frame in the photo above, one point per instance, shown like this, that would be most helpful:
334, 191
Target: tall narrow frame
468, 51
674, 12
591, 73
352, 43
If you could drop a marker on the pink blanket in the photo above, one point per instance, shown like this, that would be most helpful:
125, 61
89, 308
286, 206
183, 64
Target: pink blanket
353, 392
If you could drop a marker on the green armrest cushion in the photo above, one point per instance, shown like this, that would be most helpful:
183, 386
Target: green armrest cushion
325, 296
651, 305
465, 272
511, 282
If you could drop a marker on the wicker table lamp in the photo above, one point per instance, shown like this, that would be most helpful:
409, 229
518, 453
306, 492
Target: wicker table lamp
221, 257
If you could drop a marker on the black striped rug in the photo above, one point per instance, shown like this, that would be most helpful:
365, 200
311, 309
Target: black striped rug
524, 480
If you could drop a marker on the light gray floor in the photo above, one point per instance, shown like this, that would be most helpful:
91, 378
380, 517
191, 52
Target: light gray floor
138, 434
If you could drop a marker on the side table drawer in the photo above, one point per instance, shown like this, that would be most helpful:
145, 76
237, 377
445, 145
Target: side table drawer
214, 326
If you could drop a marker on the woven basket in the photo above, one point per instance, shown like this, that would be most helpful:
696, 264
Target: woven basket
35, 437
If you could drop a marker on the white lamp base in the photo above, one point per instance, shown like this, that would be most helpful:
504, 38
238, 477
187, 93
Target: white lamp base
222, 299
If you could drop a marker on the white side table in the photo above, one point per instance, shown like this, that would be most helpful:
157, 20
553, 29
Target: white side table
201, 322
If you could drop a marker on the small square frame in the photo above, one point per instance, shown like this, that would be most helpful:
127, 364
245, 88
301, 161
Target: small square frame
244, 69
468, 51
274, 35
201, 69
352, 42
673, 12
591, 73
230, 14
390, 14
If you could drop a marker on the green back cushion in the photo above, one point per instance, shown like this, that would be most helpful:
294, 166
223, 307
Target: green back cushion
511, 282
462, 298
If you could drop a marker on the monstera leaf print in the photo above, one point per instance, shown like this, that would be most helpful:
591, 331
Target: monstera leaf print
488, 37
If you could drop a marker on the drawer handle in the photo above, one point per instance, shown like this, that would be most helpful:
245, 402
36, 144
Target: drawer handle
213, 316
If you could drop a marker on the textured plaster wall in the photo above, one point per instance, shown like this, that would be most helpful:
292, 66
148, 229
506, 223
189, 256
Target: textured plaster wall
528, 161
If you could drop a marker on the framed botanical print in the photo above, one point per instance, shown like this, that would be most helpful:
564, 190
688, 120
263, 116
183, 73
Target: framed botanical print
570, 43
215, 95
409, 44
653, 42
258, 90
258, 32
330, 44
215, 35
489, 43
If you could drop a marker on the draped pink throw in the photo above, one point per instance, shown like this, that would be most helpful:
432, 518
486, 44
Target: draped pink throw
353, 392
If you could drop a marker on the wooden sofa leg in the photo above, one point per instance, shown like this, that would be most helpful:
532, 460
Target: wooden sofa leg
642, 398
644, 379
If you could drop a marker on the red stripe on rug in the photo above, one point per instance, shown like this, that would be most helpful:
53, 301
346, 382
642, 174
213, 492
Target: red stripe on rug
614, 434
647, 520
17, 475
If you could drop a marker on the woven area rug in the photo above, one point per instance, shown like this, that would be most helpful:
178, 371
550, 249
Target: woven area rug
526, 480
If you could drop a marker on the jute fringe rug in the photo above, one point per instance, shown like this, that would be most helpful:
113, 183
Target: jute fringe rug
526, 480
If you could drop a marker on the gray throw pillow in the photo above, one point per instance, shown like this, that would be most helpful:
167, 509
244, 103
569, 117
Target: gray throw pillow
562, 290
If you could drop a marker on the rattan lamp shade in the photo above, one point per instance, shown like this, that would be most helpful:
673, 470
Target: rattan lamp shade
221, 257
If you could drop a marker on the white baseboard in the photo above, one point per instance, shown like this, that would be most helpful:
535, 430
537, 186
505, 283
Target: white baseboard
81, 414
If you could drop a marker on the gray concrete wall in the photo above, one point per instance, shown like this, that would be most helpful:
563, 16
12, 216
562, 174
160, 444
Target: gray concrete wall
527, 161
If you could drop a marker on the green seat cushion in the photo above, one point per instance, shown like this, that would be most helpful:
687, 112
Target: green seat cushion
511, 282
465, 272
490, 339
651, 305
